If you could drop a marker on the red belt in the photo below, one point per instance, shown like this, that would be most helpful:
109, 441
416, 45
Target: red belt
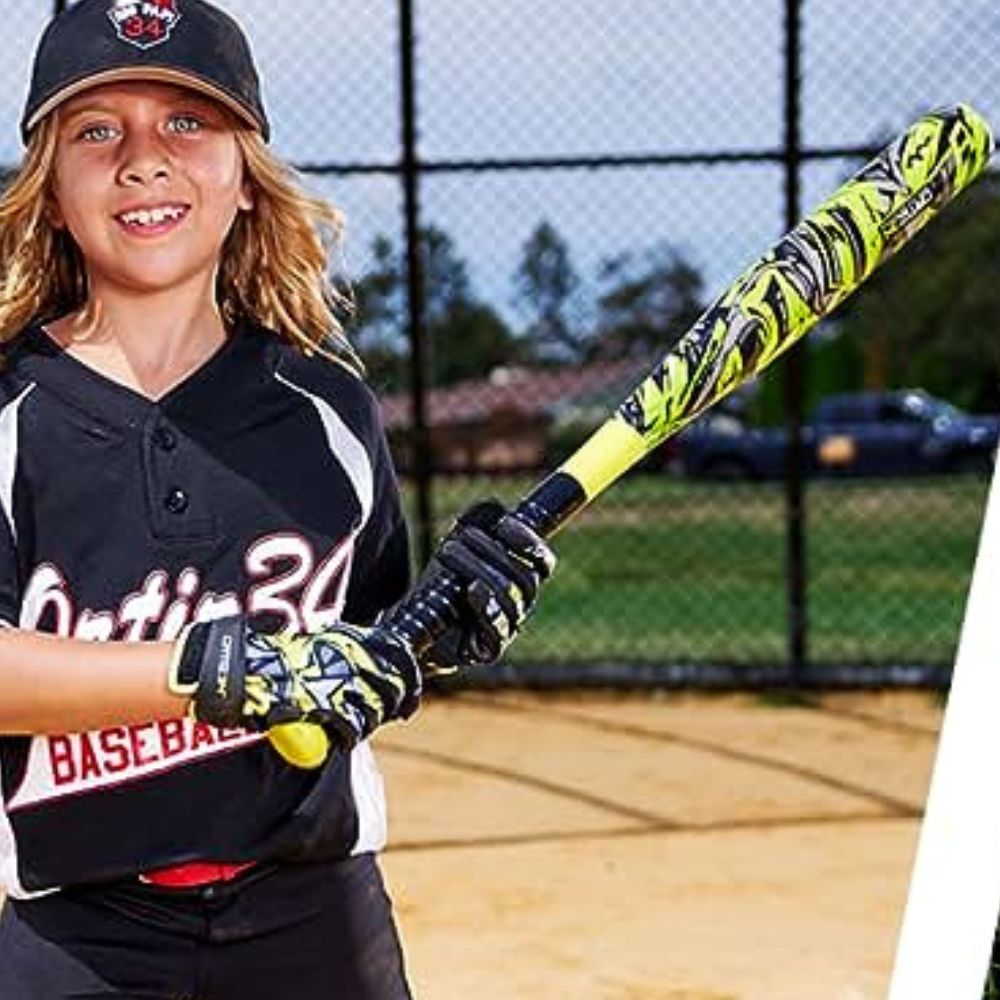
194, 874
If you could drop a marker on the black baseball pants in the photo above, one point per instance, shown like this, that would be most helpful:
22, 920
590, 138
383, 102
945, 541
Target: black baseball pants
310, 932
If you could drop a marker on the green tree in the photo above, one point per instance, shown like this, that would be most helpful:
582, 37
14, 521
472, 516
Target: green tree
446, 276
378, 327
932, 316
467, 338
469, 341
649, 300
546, 283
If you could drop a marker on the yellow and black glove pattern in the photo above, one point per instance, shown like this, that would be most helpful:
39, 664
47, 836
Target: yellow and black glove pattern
480, 586
346, 679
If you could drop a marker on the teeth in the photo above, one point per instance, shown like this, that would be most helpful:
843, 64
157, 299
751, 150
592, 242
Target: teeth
152, 216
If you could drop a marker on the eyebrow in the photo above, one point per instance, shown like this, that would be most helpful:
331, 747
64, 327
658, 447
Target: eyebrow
70, 112
183, 100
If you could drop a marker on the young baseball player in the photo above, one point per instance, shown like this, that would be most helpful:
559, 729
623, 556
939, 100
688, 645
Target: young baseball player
192, 466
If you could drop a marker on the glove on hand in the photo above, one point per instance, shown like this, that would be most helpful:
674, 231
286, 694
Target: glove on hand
499, 564
347, 680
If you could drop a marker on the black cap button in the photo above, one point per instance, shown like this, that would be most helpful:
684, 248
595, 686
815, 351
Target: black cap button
177, 501
165, 439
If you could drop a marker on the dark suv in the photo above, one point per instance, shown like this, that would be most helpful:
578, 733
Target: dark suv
902, 432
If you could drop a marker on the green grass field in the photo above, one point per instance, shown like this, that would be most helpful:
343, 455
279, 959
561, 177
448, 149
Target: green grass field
661, 570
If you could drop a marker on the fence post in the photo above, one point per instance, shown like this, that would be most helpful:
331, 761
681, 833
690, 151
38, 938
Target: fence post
416, 296
795, 364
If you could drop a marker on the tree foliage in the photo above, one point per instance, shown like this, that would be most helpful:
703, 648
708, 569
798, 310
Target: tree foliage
648, 300
547, 284
640, 303
931, 317
466, 337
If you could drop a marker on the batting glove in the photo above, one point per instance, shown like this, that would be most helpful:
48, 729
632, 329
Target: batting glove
345, 679
483, 581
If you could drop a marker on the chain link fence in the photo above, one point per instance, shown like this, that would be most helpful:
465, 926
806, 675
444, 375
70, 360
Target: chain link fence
572, 184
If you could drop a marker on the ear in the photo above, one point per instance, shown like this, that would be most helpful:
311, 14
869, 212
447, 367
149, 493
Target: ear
53, 213
246, 201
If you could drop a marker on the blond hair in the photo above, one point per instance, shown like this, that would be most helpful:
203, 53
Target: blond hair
273, 270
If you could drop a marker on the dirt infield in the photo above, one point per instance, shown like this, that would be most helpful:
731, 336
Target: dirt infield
638, 848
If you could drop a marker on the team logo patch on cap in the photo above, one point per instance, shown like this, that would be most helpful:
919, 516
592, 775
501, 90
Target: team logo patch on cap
144, 23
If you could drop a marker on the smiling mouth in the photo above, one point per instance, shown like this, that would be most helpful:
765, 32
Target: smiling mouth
153, 220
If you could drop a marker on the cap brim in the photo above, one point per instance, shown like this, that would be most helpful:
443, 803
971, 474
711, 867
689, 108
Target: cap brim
156, 74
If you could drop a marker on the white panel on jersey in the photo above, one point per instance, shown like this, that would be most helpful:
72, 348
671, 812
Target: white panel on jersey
74, 764
9, 881
8, 454
346, 448
369, 800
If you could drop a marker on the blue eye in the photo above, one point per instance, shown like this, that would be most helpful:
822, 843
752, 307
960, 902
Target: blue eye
184, 124
96, 133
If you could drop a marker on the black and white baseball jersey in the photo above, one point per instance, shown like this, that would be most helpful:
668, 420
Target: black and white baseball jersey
261, 484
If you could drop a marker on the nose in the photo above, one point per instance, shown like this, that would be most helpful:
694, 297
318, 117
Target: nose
144, 158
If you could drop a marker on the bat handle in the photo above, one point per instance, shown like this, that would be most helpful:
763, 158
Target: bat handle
424, 616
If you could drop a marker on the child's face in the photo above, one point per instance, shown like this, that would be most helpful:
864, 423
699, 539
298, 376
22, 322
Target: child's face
148, 180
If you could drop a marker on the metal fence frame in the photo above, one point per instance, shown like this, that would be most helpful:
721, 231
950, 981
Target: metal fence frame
409, 168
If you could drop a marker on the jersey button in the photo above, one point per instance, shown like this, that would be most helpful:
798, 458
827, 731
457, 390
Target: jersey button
177, 501
165, 439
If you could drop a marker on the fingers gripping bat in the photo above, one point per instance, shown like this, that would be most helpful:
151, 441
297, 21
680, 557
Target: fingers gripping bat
767, 309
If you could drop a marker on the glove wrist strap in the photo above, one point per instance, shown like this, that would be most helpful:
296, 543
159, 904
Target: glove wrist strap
185, 662
209, 667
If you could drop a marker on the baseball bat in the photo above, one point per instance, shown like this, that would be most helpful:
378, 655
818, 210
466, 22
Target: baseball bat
768, 308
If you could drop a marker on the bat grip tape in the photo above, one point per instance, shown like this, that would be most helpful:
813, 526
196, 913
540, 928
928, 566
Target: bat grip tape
430, 611
427, 614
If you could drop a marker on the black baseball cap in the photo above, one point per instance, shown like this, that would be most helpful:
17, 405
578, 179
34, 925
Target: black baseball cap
185, 42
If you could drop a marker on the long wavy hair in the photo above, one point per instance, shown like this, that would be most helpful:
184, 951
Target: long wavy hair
274, 268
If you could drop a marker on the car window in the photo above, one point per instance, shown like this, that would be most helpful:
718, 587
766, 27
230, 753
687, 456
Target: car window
853, 411
900, 412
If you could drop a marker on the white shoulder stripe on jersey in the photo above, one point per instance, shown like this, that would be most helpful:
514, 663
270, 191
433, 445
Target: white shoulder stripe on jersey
8, 455
345, 447
367, 786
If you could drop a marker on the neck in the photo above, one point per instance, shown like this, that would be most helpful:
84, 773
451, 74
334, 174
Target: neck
150, 341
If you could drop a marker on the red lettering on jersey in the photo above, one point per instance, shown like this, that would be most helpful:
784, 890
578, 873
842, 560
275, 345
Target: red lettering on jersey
89, 766
203, 736
172, 737
114, 749
61, 760
139, 742
230, 735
